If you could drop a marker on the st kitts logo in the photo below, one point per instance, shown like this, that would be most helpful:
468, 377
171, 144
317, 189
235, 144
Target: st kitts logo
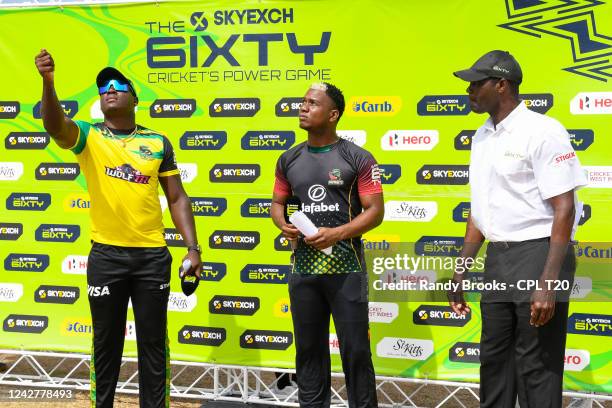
57, 233
70, 109
28, 201
9, 109
540, 103
203, 140
581, 139
11, 171
463, 141
25, 323
56, 294
233, 305
266, 339
208, 206
57, 171
592, 103
434, 245
267, 140
389, 173
188, 171
592, 324
172, 108
26, 262
173, 237
234, 173
27, 140
462, 211
281, 243
234, 107
432, 315
202, 336
464, 352
358, 137
288, 107
257, 273
256, 208
443, 105
10, 292
374, 106
127, 173
443, 174
213, 271
223, 239
10, 231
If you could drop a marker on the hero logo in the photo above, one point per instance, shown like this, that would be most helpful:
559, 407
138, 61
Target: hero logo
97, 291
234, 107
9, 109
173, 237
389, 173
592, 103
591, 324
540, 103
203, 140
10, 292
288, 107
208, 206
409, 276
334, 344
234, 305
130, 330
358, 137
57, 233
178, 302
75, 265
599, 176
256, 207
266, 339
374, 105
188, 171
433, 245
57, 171
10, 231
70, 109
463, 141
255, 273
222, 239
439, 316
581, 139
11, 171
383, 312
409, 140
409, 349
443, 174
25, 323
28, 201
443, 105
213, 271
57, 294
172, 108
26, 262
234, 173
464, 352
414, 211
267, 140
576, 360
202, 336
27, 140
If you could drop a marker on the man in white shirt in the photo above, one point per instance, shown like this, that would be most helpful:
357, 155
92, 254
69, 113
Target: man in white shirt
523, 177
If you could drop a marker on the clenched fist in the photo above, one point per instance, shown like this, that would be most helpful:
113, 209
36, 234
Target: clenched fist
46, 66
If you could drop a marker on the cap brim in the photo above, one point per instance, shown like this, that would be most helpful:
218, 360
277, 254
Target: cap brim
470, 75
109, 73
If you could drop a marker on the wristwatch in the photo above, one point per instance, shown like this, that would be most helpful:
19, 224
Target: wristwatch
195, 247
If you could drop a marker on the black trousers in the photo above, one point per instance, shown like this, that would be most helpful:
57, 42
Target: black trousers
313, 299
517, 358
114, 275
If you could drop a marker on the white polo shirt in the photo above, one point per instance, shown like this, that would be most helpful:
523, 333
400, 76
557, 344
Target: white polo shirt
514, 168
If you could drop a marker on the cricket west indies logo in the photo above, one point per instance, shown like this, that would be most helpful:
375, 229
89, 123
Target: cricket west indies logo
128, 173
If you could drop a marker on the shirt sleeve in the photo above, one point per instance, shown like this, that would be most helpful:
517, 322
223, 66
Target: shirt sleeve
168, 165
556, 167
281, 184
368, 175
81, 141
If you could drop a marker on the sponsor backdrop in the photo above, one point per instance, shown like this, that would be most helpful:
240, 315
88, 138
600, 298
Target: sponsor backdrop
225, 84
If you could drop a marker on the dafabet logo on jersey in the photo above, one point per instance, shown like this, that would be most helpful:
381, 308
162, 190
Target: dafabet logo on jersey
172, 108
27, 140
57, 171
203, 140
233, 305
202, 336
223, 239
432, 315
234, 107
28, 201
25, 323
374, 106
266, 339
288, 107
234, 173
57, 294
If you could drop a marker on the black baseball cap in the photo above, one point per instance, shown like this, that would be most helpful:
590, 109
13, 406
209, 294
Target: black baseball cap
109, 73
494, 64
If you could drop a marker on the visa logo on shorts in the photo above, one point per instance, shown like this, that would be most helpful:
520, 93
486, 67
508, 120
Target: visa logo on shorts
288, 107
234, 305
267, 140
172, 108
202, 336
443, 105
27, 140
213, 271
258, 273
463, 141
26, 262
581, 139
208, 206
373, 106
28, 201
203, 140
223, 239
97, 291
66, 295
9, 109
464, 352
25, 323
57, 233
234, 107
70, 109
10, 231
540, 103
462, 211
256, 208
591, 324
234, 173
433, 245
266, 339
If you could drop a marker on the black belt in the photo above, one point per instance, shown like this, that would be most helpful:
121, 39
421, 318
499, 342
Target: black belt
510, 244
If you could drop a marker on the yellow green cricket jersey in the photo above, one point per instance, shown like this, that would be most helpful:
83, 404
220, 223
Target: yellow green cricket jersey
122, 174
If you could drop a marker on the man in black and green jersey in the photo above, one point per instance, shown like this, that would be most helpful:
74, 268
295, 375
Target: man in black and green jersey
338, 186
124, 163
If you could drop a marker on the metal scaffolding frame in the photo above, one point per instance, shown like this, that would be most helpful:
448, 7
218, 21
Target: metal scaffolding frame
254, 385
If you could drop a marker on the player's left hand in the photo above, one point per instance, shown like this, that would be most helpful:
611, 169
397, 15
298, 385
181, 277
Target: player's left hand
324, 238
196, 263
542, 306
